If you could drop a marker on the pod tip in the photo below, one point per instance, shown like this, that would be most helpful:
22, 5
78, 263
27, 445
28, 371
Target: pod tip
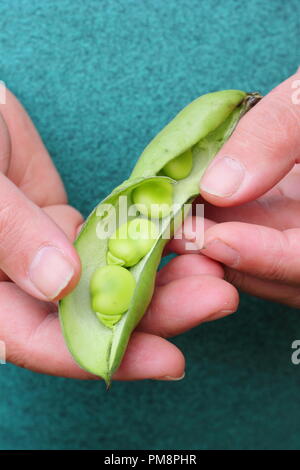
107, 379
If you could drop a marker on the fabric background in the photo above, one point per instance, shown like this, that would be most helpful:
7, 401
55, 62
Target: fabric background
99, 79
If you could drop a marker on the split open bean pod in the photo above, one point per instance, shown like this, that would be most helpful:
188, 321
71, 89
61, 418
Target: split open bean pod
121, 242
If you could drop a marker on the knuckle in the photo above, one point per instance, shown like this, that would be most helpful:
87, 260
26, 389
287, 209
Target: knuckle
8, 221
287, 122
12, 227
258, 134
5, 217
275, 247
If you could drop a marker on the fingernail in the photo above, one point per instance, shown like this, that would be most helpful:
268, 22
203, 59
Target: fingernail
223, 177
220, 314
219, 251
78, 229
170, 378
50, 271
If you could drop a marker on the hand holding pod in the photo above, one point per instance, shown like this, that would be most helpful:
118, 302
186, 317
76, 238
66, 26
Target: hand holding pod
118, 275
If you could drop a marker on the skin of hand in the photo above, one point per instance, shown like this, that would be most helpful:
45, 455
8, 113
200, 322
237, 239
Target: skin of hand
38, 265
253, 193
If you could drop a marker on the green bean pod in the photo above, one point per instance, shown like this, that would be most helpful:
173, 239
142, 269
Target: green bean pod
172, 164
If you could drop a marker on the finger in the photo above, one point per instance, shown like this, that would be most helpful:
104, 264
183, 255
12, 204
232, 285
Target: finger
30, 166
184, 303
188, 265
269, 290
33, 338
277, 213
66, 217
34, 252
263, 148
257, 250
151, 357
278, 208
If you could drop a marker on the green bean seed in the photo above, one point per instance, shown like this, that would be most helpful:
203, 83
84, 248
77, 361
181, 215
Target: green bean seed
131, 242
180, 167
154, 199
111, 290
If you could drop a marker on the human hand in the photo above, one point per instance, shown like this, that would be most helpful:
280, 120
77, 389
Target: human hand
35, 216
255, 181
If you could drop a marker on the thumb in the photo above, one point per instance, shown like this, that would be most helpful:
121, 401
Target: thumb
262, 150
34, 252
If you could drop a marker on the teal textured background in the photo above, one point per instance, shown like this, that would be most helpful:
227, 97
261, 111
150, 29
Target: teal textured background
99, 79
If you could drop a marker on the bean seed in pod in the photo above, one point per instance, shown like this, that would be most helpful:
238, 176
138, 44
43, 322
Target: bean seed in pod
154, 198
180, 167
131, 242
111, 290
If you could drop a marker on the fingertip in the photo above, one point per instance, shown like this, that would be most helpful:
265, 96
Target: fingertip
263, 148
150, 357
185, 303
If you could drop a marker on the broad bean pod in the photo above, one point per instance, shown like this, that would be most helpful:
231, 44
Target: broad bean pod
117, 279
